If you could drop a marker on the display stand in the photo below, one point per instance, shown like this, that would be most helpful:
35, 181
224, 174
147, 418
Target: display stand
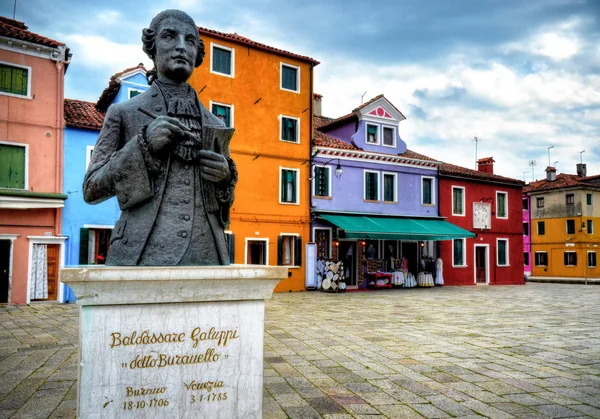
374, 277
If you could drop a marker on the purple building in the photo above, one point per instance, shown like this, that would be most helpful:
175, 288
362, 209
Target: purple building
526, 236
373, 201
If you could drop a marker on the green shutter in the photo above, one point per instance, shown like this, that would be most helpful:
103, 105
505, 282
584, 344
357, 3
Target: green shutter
298, 251
13, 80
12, 166
280, 251
289, 80
231, 247
84, 236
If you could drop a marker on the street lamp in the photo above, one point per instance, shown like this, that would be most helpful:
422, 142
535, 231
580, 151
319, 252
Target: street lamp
338, 168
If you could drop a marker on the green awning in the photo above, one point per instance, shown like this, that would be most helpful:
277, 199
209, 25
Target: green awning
391, 228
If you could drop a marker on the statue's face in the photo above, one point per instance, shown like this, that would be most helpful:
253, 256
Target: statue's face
176, 48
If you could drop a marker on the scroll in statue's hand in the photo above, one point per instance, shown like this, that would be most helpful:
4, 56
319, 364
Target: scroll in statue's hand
213, 166
162, 132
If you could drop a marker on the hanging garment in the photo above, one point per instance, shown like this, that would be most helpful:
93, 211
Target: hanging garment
439, 272
38, 289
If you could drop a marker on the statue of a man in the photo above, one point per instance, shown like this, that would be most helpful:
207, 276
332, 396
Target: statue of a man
166, 159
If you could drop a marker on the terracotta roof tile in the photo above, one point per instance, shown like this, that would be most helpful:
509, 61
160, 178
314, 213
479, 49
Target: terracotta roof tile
108, 95
234, 37
323, 140
486, 160
319, 121
414, 155
335, 122
563, 181
317, 96
18, 30
81, 114
453, 170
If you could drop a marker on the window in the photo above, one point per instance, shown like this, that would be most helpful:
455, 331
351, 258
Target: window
427, 191
458, 252
12, 166
389, 137
541, 259
570, 226
257, 251
590, 226
134, 92
570, 259
541, 228
389, 187
525, 204
588, 199
372, 134
289, 250
14, 80
371, 186
322, 237
322, 181
501, 204
290, 129
93, 245
223, 112
525, 258
502, 250
89, 151
526, 229
289, 186
290, 78
570, 199
540, 202
458, 200
222, 60
591, 259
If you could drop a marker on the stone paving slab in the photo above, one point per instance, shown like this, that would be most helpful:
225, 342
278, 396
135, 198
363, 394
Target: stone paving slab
501, 352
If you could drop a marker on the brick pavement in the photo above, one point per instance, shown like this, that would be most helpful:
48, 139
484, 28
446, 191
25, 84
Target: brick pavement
500, 352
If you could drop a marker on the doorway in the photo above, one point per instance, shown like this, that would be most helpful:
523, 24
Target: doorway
4, 270
347, 254
410, 250
481, 264
51, 253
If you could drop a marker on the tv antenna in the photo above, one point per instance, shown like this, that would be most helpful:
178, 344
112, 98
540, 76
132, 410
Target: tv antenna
476, 141
532, 164
525, 171
362, 97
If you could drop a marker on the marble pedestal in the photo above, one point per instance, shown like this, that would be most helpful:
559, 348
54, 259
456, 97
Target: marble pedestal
171, 342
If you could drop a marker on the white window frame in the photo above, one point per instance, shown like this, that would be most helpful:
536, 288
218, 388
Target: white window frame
378, 142
232, 69
26, 146
88, 155
25, 67
256, 239
393, 136
395, 175
328, 229
314, 178
92, 229
227, 105
378, 189
281, 129
587, 259
281, 65
294, 237
464, 261
281, 169
505, 205
535, 258
498, 240
464, 208
432, 190
571, 251
131, 89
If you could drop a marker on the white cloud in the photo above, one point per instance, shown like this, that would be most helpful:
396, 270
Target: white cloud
98, 52
108, 17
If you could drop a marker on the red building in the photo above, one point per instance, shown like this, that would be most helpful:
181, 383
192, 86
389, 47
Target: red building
490, 206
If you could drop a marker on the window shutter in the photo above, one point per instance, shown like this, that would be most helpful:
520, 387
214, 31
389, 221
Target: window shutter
231, 247
84, 236
298, 251
279, 251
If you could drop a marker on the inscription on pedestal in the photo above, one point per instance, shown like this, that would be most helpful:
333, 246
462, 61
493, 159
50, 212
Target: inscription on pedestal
197, 360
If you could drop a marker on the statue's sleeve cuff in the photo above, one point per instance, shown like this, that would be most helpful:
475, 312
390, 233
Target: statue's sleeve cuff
225, 190
153, 164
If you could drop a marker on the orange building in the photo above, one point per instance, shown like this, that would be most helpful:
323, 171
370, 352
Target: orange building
266, 95
32, 71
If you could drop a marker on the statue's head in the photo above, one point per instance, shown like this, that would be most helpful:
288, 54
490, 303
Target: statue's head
173, 43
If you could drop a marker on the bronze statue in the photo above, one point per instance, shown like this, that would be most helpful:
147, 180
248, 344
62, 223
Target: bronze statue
166, 159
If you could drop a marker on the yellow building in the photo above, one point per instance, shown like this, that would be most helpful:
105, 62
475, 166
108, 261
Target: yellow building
565, 213
266, 95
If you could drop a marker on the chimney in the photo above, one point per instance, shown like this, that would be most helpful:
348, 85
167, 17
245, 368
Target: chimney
550, 174
581, 169
317, 111
486, 165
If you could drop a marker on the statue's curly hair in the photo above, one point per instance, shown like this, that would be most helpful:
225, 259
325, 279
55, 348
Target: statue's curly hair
149, 35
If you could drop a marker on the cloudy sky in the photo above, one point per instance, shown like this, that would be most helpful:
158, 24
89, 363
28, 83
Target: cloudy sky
521, 76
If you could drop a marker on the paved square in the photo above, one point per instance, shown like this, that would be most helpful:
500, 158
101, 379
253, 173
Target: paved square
500, 352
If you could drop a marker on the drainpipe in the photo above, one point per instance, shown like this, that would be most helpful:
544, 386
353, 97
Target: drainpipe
310, 137
59, 143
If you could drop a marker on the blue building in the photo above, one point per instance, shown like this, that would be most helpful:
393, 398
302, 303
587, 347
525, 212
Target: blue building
88, 227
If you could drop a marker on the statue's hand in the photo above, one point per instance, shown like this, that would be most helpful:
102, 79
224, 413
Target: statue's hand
162, 132
213, 166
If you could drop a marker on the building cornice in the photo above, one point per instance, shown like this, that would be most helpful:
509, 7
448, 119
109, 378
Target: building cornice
366, 156
19, 46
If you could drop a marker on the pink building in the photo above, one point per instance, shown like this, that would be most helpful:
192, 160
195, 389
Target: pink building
32, 71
